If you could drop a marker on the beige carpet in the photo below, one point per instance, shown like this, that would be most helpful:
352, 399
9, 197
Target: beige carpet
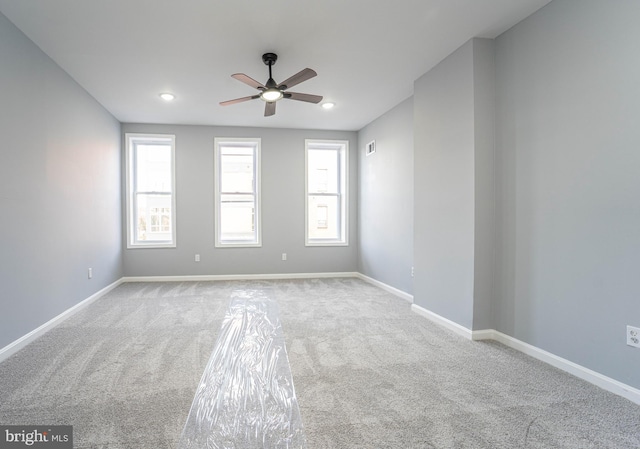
368, 374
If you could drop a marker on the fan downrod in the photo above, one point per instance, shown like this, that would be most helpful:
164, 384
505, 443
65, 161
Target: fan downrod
269, 59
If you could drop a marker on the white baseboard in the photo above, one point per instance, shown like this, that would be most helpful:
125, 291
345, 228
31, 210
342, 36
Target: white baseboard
23, 341
442, 321
593, 377
600, 380
394, 291
238, 277
485, 334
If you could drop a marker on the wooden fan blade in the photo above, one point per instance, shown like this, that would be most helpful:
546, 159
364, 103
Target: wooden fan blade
238, 100
269, 109
248, 80
299, 77
309, 98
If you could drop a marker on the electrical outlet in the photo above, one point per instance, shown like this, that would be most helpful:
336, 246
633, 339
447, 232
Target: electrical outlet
412, 271
633, 336
284, 256
90, 273
197, 258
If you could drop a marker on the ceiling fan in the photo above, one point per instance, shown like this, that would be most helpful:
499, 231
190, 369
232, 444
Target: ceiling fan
270, 92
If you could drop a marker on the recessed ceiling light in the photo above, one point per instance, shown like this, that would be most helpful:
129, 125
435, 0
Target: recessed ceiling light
328, 105
167, 96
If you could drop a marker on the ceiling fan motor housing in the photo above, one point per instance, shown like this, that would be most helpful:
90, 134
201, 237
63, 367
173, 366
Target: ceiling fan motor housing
269, 58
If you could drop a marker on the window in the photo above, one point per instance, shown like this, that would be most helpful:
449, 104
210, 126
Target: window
326, 192
151, 220
237, 192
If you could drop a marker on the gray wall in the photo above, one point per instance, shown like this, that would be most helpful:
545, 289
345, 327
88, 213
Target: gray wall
443, 188
453, 186
283, 175
568, 182
59, 189
385, 198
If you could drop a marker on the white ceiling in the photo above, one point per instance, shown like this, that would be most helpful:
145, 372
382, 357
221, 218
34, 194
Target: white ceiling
367, 52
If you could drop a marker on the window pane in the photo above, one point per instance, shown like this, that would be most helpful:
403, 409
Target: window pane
153, 218
236, 170
237, 220
324, 217
323, 171
153, 164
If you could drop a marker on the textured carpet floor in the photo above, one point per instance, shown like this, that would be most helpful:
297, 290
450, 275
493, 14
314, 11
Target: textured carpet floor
368, 374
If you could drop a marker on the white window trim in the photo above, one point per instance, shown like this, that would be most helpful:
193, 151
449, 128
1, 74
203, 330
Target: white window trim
256, 143
344, 144
129, 139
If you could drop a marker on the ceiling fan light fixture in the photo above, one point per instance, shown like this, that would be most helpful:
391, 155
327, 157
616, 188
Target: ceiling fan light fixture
271, 94
328, 105
166, 96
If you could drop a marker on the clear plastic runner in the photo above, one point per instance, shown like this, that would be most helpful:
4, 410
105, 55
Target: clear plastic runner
246, 398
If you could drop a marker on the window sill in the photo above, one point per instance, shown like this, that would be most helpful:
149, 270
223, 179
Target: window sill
151, 246
326, 244
238, 245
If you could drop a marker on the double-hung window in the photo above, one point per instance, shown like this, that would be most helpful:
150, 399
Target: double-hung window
237, 192
326, 192
151, 202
